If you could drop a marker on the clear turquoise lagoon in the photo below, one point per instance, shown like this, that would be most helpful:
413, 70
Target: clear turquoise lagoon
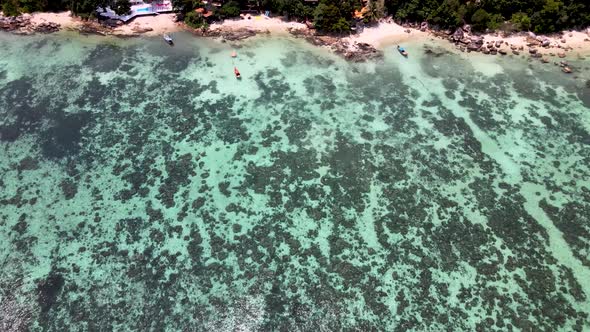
144, 188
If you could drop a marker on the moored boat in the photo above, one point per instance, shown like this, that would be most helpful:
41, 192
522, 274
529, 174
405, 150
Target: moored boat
402, 51
237, 73
168, 39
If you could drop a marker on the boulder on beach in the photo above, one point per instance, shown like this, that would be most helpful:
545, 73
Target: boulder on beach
532, 50
47, 27
358, 52
233, 35
477, 40
561, 54
532, 41
473, 47
14, 23
458, 34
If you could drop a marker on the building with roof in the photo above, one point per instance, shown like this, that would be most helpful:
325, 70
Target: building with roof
138, 8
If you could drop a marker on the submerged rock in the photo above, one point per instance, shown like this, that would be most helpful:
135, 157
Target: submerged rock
49, 289
69, 188
233, 35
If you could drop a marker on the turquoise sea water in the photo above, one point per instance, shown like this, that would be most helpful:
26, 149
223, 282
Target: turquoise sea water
144, 188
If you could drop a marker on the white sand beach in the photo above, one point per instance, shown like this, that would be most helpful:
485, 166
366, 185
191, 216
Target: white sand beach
385, 34
570, 43
258, 23
64, 19
149, 25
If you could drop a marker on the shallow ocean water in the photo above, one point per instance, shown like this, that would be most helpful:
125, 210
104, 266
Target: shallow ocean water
145, 188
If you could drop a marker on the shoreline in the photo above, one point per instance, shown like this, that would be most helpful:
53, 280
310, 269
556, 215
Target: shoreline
362, 46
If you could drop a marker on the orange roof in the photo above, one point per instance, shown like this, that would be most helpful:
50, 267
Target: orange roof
200, 10
361, 13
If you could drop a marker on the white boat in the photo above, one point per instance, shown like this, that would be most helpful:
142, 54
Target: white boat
168, 39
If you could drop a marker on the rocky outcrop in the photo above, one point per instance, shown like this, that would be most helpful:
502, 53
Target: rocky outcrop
458, 35
8, 23
47, 27
424, 26
226, 34
233, 35
90, 28
473, 47
23, 24
358, 52
466, 28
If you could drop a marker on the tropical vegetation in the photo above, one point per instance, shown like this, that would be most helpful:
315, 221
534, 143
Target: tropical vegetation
82, 8
338, 16
542, 16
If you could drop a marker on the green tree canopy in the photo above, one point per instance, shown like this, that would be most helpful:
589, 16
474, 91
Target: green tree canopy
328, 17
335, 15
229, 10
185, 6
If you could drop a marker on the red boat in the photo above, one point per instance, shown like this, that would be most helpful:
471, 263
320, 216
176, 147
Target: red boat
237, 72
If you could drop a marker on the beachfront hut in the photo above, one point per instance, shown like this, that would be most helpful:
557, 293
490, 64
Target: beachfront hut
204, 12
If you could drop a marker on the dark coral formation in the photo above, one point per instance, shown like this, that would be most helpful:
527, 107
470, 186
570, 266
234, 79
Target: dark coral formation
152, 199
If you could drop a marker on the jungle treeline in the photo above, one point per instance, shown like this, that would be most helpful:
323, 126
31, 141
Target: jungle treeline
541, 16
